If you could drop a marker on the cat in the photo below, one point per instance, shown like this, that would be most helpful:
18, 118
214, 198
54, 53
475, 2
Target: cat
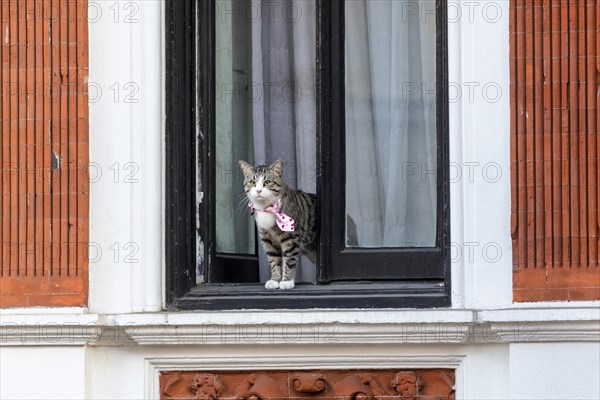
285, 218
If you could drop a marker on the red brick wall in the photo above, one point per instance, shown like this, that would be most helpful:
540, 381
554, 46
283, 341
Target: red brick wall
555, 70
44, 115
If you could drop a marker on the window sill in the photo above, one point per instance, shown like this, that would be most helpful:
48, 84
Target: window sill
371, 295
303, 327
360, 327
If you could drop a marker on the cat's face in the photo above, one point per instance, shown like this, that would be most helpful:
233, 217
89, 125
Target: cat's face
263, 185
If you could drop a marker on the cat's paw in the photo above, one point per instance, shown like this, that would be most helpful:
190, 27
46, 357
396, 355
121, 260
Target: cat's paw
271, 284
286, 285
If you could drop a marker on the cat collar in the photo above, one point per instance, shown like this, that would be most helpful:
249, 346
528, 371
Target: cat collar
284, 221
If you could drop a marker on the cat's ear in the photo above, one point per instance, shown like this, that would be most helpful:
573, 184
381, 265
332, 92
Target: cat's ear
277, 168
247, 169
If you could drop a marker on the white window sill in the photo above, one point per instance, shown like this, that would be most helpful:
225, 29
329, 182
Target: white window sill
516, 325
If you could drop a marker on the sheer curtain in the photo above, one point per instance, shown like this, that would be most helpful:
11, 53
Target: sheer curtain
284, 109
266, 110
235, 229
390, 123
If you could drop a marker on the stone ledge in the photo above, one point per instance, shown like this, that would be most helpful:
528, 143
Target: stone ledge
366, 327
306, 327
546, 331
48, 329
300, 327
527, 314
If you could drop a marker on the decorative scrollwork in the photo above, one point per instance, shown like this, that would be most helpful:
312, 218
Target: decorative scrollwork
261, 387
172, 380
354, 387
376, 388
309, 383
448, 378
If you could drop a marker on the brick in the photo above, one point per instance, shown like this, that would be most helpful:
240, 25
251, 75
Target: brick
554, 149
40, 94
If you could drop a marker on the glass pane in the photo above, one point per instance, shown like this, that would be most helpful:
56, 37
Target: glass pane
235, 227
265, 110
390, 63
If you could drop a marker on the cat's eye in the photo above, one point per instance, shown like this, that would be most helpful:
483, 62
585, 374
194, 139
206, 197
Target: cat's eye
251, 181
267, 182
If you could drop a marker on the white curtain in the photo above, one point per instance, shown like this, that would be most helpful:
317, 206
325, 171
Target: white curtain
284, 109
235, 229
266, 110
390, 123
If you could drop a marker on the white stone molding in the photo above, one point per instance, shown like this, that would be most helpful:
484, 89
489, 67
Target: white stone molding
322, 327
362, 326
299, 327
559, 324
562, 331
48, 329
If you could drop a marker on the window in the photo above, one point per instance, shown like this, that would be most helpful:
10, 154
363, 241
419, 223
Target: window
377, 113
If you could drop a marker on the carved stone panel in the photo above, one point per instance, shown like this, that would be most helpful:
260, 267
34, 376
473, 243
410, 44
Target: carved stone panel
423, 384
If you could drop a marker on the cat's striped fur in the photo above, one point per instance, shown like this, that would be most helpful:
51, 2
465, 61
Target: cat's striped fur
264, 186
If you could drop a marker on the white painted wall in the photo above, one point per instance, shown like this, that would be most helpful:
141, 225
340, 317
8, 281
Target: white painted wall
55, 372
122, 372
126, 152
555, 371
127, 211
479, 154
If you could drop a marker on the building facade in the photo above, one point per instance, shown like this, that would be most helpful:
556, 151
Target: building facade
90, 95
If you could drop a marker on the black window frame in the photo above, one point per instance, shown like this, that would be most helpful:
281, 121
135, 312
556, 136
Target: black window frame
190, 221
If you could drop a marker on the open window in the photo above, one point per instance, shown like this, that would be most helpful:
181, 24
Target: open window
353, 97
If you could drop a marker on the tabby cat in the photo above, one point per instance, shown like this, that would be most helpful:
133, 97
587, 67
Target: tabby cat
286, 220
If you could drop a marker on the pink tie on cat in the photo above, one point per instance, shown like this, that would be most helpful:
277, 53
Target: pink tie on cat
284, 221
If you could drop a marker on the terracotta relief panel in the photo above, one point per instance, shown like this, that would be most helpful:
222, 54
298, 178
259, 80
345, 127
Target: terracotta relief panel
424, 384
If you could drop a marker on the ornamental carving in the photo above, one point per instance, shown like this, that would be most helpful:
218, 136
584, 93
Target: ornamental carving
340, 385
407, 384
353, 387
309, 383
167, 384
261, 387
448, 378
205, 387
